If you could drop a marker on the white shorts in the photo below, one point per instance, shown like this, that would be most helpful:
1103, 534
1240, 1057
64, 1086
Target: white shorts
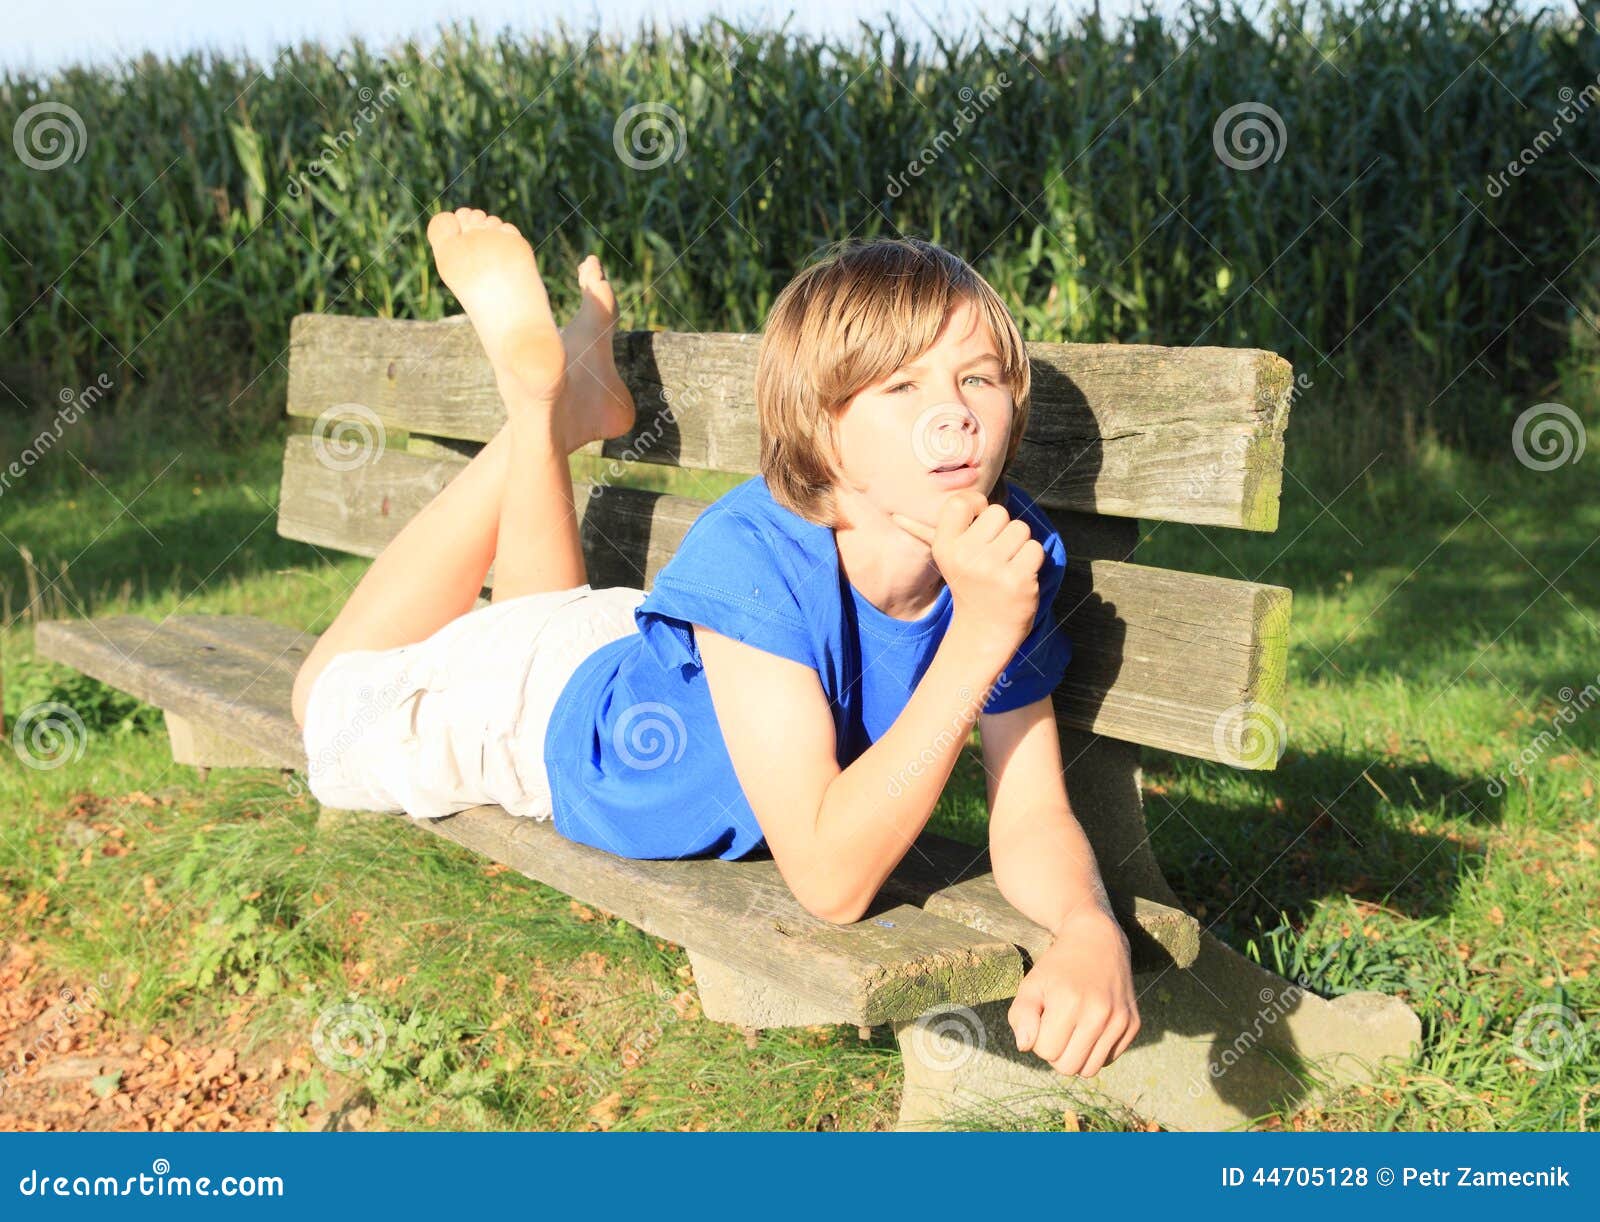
457, 720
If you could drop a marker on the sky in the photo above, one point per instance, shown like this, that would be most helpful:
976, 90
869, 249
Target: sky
41, 35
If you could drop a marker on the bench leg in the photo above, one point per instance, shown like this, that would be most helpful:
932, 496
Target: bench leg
1220, 1044
199, 745
727, 995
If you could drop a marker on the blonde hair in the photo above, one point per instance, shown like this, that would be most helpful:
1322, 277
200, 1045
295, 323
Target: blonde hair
847, 322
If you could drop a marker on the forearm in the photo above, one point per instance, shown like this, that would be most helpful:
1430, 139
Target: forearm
1045, 867
874, 809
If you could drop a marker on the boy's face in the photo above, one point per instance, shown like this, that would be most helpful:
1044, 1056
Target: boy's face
947, 408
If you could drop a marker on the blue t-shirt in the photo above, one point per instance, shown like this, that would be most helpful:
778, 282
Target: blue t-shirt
634, 756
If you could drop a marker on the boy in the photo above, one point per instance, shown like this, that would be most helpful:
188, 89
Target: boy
808, 665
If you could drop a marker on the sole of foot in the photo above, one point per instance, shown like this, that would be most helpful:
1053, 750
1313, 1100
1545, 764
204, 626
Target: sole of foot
564, 378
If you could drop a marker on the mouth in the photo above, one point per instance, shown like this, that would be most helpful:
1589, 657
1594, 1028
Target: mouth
952, 466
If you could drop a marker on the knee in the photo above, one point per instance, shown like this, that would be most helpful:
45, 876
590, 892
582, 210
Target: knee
300, 694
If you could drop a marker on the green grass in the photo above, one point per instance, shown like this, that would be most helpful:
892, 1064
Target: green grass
1440, 608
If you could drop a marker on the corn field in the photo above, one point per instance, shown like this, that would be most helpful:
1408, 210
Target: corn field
1331, 184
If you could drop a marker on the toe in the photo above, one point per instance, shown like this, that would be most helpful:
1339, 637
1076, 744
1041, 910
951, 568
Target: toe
443, 225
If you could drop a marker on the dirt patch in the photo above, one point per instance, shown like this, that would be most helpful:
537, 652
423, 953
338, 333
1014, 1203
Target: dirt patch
66, 1066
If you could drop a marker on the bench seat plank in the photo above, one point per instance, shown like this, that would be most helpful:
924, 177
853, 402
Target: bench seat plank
897, 962
917, 946
238, 692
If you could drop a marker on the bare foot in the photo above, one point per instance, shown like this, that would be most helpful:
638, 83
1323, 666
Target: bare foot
597, 403
490, 268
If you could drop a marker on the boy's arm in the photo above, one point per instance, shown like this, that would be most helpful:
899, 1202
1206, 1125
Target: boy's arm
1043, 862
1076, 1007
836, 835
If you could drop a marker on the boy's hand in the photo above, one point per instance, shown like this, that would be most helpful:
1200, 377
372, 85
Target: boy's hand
1075, 1008
991, 562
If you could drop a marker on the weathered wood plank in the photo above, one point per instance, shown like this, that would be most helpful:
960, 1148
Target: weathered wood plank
1183, 434
898, 962
1181, 661
236, 690
955, 880
236, 693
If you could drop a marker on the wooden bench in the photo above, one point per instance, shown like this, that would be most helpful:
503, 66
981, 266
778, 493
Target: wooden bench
1181, 661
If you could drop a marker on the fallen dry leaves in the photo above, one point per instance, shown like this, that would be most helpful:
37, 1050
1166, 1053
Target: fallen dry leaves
67, 1068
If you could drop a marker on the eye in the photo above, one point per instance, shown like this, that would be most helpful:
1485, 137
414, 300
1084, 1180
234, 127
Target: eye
901, 386
980, 378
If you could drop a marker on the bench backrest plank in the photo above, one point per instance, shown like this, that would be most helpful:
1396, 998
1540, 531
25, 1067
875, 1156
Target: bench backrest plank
1182, 661
1133, 430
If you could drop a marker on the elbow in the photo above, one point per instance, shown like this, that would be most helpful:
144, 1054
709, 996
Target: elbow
837, 914
833, 906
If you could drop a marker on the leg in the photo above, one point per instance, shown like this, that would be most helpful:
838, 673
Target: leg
514, 503
560, 390
429, 573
